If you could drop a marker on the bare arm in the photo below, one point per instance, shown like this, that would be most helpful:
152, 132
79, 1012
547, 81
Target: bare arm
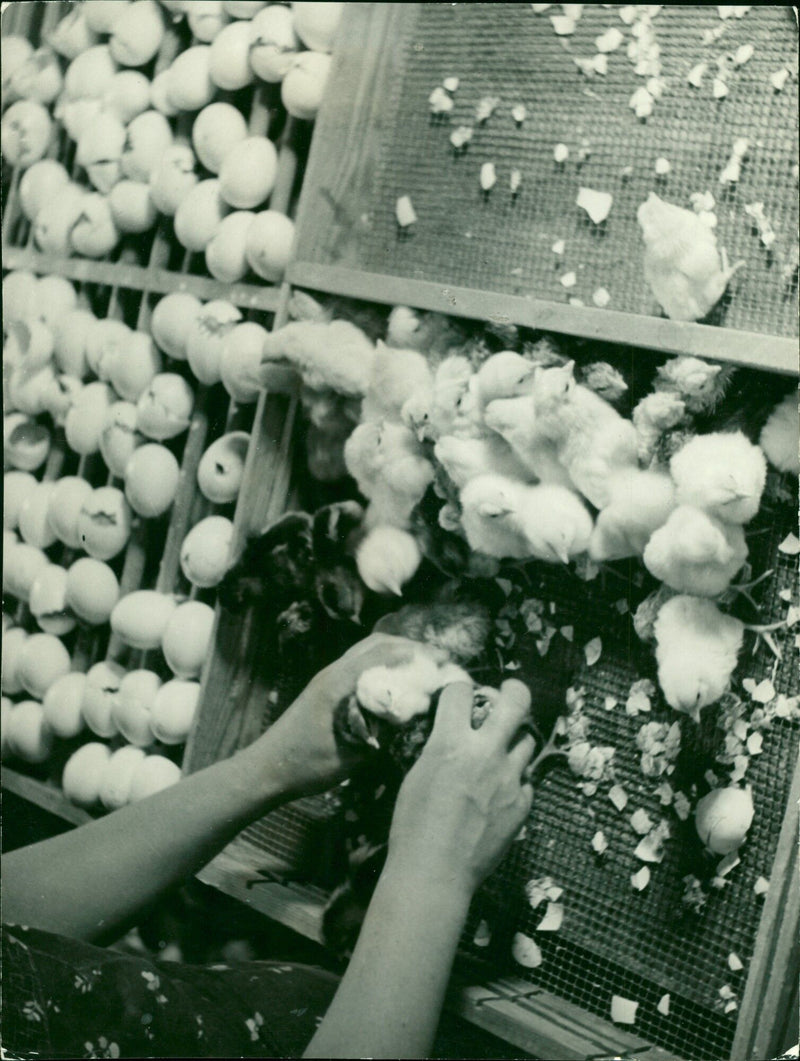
456, 813
94, 881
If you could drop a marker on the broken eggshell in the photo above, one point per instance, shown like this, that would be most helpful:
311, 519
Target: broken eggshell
596, 204
26, 442
119, 437
206, 337
104, 523
48, 601
99, 693
221, 468
205, 552
165, 408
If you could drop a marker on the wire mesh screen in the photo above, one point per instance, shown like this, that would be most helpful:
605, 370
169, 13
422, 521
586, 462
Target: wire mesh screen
501, 242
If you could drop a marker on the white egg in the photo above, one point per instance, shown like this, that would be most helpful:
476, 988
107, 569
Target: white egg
226, 259
25, 132
57, 297
101, 15
29, 343
132, 207
119, 437
127, 95
172, 318
67, 498
104, 523
70, 337
270, 242
21, 565
190, 86
92, 590
83, 773
221, 468
317, 23
72, 35
151, 776
56, 219
172, 179
159, 94
62, 705
13, 643
94, 234
240, 362
206, 18
205, 553
28, 389
248, 171
99, 152
303, 88
40, 183
165, 408
137, 34
39, 78
217, 128
20, 290
273, 42
149, 135
43, 659
132, 373
198, 215
151, 480
60, 395
26, 443
140, 618
117, 776
29, 736
187, 638
106, 341
99, 693
34, 525
48, 601
133, 706
76, 115
206, 338
86, 418
16, 488
174, 710
229, 61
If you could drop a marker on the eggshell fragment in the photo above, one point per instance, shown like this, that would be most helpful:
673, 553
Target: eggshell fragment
618, 796
641, 879
663, 1005
596, 204
62, 705
117, 776
221, 468
553, 918
12, 645
172, 320
623, 1010
165, 408
187, 637
83, 773
174, 709
133, 706
99, 693
119, 437
104, 524
26, 443
141, 617
42, 660
526, 951
205, 553
29, 735
152, 775
47, 601
240, 361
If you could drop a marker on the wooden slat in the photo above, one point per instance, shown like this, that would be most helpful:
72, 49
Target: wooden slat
48, 797
771, 353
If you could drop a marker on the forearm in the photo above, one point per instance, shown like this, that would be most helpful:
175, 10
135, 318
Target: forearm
92, 882
390, 998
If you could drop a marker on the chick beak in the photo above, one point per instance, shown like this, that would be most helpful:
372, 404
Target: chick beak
563, 554
393, 586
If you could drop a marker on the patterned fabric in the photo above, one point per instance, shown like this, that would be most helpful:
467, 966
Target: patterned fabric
64, 998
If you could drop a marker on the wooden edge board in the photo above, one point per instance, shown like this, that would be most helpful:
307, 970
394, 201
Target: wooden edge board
46, 796
769, 352
141, 278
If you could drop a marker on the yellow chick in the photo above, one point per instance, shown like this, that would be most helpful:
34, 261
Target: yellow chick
780, 436
464, 458
681, 262
336, 354
398, 694
397, 376
697, 646
387, 558
722, 473
639, 503
514, 420
695, 553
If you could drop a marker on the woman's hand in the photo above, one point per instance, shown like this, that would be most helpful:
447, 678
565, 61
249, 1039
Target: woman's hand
464, 800
301, 745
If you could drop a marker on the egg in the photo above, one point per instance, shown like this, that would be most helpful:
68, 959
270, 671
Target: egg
100, 148
77, 115
206, 18
62, 705
151, 776
225, 254
240, 362
83, 773
25, 132
243, 8
229, 61
117, 776
273, 42
26, 443
205, 553
56, 297
137, 34
190, 86
13, 643
99, 693
127, 95
5, 713
34, 525
29, 344
70, 335
38, 78
171, 320
86, 418
19, 296
723, 817
21, 564
159, 94
217, 128
133, 706
174, 709
141, 617
248, 171
172, 178
151, 480
48, 601
29, 736
106, 341
27, 389
270, 242
132, 373
72, 35
60, 395
104, 523
119, 437
221, 468
40, 183
16, 488
165, 408
303, 86
187, 638
198, 215
53, 226
42, 660
15, 52
67, 497
148, 136
94, 234
316, 24
132, 207
101, 15
206, 337
92, 590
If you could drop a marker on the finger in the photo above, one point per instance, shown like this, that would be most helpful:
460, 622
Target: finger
522, 752
526, 798
512, 708
454, 713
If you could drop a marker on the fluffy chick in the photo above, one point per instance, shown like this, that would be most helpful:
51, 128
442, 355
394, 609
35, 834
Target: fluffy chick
275, 569
654, 415
386, 462
387, 558
490, 507
700, 384
694, 552
465, 458
397, 375
723, 473
337, 355
333, 536
514, 419
696, 648
504, 375
556, 523
780, 436
639, 503
397, 694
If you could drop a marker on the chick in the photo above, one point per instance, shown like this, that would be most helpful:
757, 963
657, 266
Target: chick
389, 469
694, 552
556, 523
432, 333
723, 473
397, 694
604, 380
397, 375
275, 569
514, 420
468, 419
639, 503
592, 440
504, 375
387, 558
780, 436
490, 517
464, 458
450, 383
696, 648
333, 537
403, 329
336, 355
655, 415
681, 262
700, 384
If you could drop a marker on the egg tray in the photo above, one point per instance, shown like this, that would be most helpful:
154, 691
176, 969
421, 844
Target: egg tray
501, 243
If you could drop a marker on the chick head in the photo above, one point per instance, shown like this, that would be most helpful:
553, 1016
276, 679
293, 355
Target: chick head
504, 375
393, 693
552, 387
416, 415
490, 496
723, 473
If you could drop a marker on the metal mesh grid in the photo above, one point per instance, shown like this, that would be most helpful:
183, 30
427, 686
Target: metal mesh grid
502, 244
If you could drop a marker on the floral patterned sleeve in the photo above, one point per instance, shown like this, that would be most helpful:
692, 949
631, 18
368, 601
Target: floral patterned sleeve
64, 998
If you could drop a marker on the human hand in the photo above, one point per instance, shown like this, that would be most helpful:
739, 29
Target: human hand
464, 800
301, 744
